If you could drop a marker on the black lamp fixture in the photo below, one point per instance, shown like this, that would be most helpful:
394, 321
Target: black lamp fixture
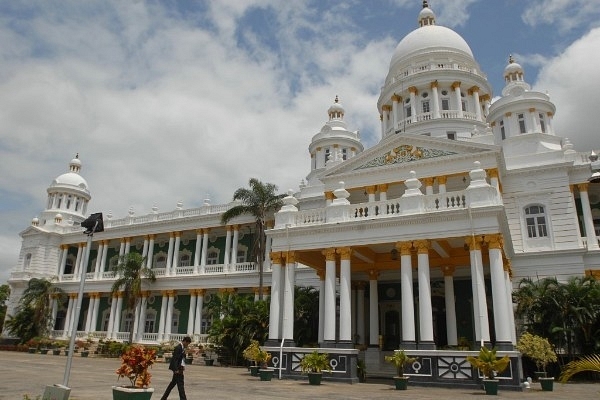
394, 254
94, 223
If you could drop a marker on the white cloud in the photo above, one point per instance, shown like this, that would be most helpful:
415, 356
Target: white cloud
573, 82
563, 14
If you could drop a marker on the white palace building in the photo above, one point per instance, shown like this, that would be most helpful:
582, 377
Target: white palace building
413, 243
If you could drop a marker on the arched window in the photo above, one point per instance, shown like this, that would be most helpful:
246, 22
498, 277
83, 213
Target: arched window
535, 218
150, 321
213, 256
27, 261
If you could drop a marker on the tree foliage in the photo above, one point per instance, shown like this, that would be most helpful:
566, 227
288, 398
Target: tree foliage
568, 313
236, 321
131, 272
306, 310
33, 316
4, 295
259, 201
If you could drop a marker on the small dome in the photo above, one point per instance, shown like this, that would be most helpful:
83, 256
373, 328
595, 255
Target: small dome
71, 179
512, 67
336, 107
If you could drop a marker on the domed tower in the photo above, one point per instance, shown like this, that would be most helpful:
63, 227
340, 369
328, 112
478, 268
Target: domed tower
521, 119
68, 197
334, 143
434, 86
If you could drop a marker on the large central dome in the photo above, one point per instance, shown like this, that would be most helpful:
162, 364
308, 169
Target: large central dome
428, 39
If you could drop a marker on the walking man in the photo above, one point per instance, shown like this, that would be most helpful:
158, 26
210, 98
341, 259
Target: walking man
177, 365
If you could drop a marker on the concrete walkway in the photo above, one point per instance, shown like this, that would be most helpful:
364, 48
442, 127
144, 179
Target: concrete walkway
92, 378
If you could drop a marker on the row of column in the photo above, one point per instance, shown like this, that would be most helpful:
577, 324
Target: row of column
393, 115
588, 219
281, 320
172, 262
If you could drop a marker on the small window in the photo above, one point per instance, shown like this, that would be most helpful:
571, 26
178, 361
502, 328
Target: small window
184, 260
542, 123
502, 130
213, 258
521, 119
59, 201
426, 106
27, 261
424, 95
344, 154
463, 105
535, 217
444, 93
408, 111
241, 256
451, 135
445, 104
326, 154
68, 204
77, 203
161, 262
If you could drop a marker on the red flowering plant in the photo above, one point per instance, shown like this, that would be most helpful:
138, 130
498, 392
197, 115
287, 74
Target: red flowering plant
135, 362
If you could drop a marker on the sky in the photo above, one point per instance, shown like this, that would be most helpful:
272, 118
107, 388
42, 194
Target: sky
168, 101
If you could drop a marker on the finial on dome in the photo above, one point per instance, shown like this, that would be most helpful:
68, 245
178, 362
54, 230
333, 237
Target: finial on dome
77, 155
510, 59
425, 4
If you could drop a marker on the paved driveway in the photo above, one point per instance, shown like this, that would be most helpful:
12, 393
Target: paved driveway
92, 378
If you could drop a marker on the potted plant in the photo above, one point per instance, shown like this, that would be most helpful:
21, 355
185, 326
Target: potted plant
314, 364
489, 364
541, 352
209, 351
251, 353
400, 360
135, 363
262, 359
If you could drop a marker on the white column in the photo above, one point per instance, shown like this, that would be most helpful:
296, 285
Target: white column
145, 248
111, 317
104, 256
163, 315
175, 262
268, 242
360, 312
425, 308
169, 319
482, 329
198, 249
127, 245
98, 259
77, 266
54, 312
435, 99
458, 98
88, 320
117, 323
345, 288
590, 231
501, 318
192, 312
63, 260
511, 313
330, 312
288, 297
406, 290
204, 249
141, 327
95, 313
67, 328
383, 188
386, 117
150, 255
413, 103
170, 254
275, 307
321, 306
450, 303
227, 248
234, 246
136, 320
395, 100
373, 310
475, 94
199, 306
122, 248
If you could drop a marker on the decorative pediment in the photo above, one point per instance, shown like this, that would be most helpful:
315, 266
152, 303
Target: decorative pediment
405, 153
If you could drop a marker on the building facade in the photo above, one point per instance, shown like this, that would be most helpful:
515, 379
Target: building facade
414, 243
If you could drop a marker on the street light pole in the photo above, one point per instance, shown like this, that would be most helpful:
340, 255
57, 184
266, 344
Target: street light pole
93, 224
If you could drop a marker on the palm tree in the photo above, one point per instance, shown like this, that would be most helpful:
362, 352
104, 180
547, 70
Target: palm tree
132, 272
36, 303
257, 201
589, 363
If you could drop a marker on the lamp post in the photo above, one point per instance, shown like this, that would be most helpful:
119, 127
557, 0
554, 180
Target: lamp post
92, 224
